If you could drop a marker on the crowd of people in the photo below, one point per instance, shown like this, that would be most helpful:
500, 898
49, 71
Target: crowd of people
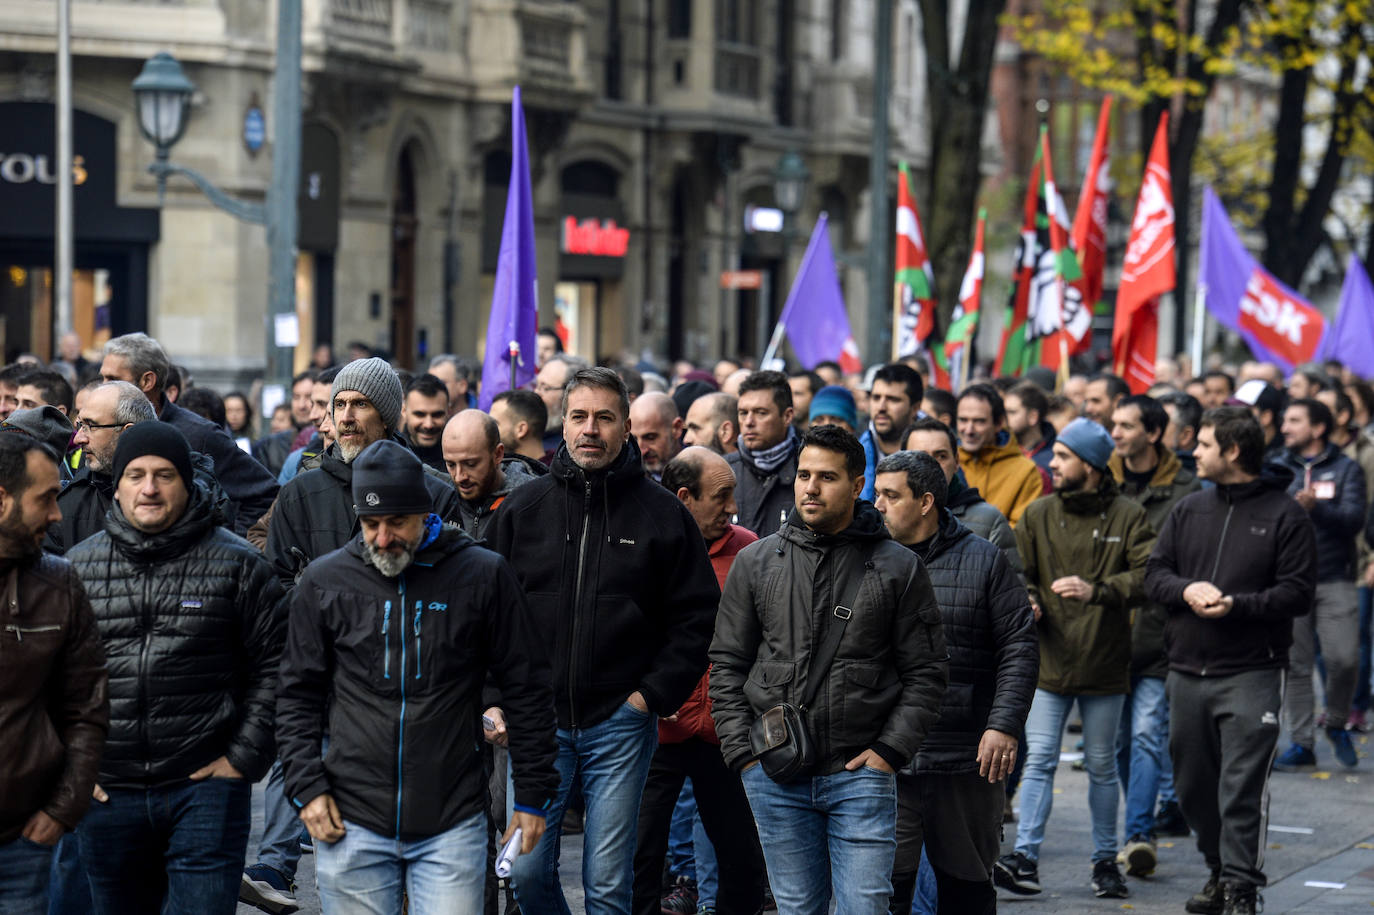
768, 640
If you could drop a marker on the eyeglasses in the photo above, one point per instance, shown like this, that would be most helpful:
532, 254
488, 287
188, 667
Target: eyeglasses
87, 425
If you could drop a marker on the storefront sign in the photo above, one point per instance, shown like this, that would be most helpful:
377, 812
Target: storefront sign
593, 238
28, 178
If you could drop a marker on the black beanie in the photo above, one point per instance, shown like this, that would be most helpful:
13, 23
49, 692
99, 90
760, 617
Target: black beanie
157, 438
388, 479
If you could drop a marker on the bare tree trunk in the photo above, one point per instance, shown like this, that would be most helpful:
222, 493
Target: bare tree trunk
958, 105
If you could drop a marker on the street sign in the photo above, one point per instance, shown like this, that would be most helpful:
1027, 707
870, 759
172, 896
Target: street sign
741, 279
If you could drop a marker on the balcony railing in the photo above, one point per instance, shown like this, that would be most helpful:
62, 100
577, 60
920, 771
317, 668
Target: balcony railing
737, 70
367, 21
429, 25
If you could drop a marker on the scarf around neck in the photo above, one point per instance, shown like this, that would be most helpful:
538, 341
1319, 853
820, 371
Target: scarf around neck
769, 460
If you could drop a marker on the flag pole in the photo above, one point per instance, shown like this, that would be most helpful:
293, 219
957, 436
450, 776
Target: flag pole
774, 343
514, 361
1199, 325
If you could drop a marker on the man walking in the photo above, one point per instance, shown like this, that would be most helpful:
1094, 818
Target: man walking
484, 476
990, 457
766, 463
713, 422
1234, 566
622, 591
192, 620
1330, 487
831, 615
426, 411
657, 430
953, 791
54, 711
141, 361
1150, 474
398, 803
688, 746
894, 400
1084, 550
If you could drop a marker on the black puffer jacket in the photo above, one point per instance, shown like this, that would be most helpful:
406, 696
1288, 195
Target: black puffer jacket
983, 518
193, 622
994, 654
85, 502
1256, 544
1339, 512
405, 659
271, 450
641, 618
764, 499
247, 483
314, 515
883, 689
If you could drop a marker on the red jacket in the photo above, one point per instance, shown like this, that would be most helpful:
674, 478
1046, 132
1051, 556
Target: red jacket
694, 718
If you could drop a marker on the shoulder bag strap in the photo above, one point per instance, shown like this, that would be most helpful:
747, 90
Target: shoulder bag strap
834, 630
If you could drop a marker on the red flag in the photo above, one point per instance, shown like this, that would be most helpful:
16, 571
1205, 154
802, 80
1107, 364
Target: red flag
1067, 323
1089, 235
1147, 271
913, 289
1015, 353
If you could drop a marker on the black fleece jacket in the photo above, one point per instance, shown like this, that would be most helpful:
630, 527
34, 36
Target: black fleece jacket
619, 583
405, 659
1257, 545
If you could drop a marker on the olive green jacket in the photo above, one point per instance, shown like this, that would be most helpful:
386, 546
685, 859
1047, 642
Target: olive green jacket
1103, 538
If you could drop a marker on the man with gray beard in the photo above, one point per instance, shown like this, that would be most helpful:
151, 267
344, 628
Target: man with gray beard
314, 515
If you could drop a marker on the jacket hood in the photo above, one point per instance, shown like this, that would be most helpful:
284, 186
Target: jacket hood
451, 540
961, 494
950, 532
866, 526
1272, 475
517, 473
200, 517
1167, 470
1091, 502
1004, 448
626, 466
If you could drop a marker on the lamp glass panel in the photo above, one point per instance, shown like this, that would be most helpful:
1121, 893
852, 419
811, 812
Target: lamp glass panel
160, 115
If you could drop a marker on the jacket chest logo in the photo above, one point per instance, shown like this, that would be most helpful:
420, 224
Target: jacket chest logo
1258, 530
629, 542
191, 605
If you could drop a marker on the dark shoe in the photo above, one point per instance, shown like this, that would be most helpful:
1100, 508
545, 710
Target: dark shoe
1140, 856
1295, 759
682, 900
572, 822
265, 888
1208, 900
1241, 899
1169, 821
1108, 882
1342, 746
1017, 874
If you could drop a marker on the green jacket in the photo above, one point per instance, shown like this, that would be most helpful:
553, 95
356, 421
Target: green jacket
1103, 538
1170, 483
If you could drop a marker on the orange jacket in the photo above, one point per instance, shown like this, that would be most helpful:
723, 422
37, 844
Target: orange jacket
1004, 476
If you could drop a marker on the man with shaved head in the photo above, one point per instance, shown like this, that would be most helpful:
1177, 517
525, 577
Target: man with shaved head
657, 428
713, 422
687, 744
477, 462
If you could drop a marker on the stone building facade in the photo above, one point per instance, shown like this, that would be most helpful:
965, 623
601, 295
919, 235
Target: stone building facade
652, 127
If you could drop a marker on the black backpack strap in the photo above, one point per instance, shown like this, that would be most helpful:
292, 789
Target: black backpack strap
834, 630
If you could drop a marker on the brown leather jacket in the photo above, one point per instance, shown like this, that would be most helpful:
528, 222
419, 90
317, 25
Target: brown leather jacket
54, 710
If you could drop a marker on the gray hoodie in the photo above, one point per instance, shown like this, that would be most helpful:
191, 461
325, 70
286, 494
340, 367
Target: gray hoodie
475, 517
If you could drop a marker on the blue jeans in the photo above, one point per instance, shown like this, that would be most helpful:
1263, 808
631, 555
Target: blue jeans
1044, 731
608, 762
365, 873
280, 848
69, 890
681, 838
828, 835
173, 849
704, 857
1362, 685
1142, 752
24, 877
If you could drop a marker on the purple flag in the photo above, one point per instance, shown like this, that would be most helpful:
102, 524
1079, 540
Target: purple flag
1277, 324
514, 296
1351, 338
814, 317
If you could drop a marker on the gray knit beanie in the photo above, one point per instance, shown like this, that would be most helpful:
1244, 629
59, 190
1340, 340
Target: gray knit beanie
376, 381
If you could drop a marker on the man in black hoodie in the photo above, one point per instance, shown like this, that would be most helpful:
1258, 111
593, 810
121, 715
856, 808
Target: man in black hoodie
621, 588
403, 767
1233, 565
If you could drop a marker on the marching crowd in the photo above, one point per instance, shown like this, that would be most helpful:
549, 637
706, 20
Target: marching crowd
768, 640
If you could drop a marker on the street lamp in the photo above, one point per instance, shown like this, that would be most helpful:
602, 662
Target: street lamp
162, 93
789, 182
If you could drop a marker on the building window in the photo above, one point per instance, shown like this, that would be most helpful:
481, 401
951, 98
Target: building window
679, 18
738, 61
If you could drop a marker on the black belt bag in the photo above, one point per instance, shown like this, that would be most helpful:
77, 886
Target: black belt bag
779, 738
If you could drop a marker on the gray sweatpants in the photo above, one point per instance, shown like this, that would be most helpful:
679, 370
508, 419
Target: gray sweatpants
1222, 735
1335, 622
